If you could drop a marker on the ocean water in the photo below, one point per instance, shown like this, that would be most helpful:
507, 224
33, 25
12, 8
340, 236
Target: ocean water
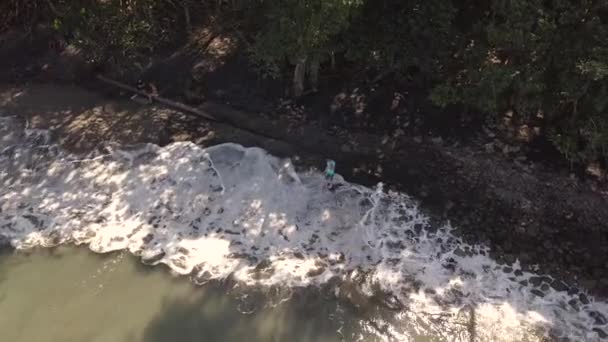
229, 213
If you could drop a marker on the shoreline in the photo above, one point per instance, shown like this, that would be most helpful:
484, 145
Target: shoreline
535, 216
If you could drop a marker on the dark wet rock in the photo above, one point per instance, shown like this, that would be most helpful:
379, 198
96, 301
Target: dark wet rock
391, 302
264, 264
33, 220
536, 281
518, 273
574, 304
317, 271
524, 283
572, 291
263, 270
244, 256
230, 232
558, 285
450, 264
183, 251
393, 261
507, 269
598, 318
509, 259
601, 333
298, 255
538, 292
202, 278
55, 237
154, 259
545, 287
583, 298
179, 262
146, 239
459, 252
418, 228
395, 245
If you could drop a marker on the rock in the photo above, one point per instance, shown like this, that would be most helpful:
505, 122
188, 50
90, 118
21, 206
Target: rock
489, 147
536, 281
545, 287
437, 140
459, 252
572, 291
488, 132
583, 298
183, 251
392, 303
600, 332
154, 259
317, 271
598, 317
558, 285
509, 258
538, 292
418, 228
202, 278
532, 230
574, 304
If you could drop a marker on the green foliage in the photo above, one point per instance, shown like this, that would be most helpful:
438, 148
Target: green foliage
114, 31
296, 30
525, 56
396, 35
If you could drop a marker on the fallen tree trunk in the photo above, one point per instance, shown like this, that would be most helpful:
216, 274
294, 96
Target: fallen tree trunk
167, 102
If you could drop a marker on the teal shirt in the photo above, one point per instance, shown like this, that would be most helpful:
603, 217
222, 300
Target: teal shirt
330, 169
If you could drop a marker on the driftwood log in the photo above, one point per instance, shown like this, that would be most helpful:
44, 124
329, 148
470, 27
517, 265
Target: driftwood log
162, 100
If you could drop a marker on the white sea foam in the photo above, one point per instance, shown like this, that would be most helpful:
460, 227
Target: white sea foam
240, 212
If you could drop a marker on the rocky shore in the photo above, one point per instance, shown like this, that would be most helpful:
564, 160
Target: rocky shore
529, 213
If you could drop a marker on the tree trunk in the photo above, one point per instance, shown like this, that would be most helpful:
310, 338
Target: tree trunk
187, 18
313, 74
299, 74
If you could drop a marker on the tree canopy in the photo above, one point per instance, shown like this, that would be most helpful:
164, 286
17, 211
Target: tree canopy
534, 58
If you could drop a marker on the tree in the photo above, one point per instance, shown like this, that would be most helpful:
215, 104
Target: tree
302, 33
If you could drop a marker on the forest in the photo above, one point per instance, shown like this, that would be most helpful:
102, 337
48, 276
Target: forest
544, 62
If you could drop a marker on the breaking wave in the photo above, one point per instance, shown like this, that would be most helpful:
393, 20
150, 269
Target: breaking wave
229, 211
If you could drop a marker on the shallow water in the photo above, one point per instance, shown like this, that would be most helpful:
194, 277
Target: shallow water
229, 212
70, 294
